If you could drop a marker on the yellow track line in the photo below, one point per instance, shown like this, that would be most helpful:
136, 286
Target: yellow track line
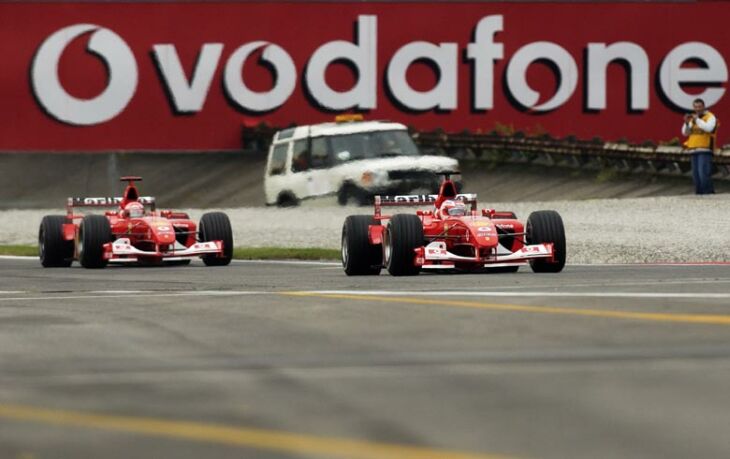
228, 435
607, 313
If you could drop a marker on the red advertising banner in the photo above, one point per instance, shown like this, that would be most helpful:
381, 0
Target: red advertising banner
185, 76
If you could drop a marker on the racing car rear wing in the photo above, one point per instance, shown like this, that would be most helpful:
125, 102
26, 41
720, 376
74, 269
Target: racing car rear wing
414, 200
421, 199
107, 202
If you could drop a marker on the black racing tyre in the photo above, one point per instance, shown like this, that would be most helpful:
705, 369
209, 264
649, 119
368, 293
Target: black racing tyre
545, 226
53, 250
359, 257
401, 237
94, 232
215, 226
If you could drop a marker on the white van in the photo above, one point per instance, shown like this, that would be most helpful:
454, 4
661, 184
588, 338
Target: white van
351, 159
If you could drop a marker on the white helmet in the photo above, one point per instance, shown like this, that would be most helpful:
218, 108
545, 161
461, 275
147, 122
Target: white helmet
134, 209
452, 208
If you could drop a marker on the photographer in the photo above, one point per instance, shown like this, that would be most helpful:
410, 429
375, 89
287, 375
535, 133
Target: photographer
700, 128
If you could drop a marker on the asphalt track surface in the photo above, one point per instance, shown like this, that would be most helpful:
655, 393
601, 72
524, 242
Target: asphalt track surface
280, 360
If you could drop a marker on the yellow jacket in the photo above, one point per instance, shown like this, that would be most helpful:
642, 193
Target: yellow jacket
701, 132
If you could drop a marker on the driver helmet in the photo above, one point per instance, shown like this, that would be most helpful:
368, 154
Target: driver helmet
451, 208
134, 209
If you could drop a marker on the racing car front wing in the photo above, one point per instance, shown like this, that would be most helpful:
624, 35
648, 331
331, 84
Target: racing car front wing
123, 250
435, 254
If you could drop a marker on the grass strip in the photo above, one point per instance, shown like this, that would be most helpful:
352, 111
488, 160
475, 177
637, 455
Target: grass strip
285, 253
241, 253
19, 250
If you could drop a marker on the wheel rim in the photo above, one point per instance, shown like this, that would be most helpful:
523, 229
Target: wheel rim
345, 252
387, 250
81, 241
42, 245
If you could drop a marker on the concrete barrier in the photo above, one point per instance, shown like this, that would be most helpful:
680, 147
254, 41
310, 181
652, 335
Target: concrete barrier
209, 180
42, 180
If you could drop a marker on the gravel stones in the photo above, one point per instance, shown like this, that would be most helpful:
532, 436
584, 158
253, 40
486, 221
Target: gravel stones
658, 229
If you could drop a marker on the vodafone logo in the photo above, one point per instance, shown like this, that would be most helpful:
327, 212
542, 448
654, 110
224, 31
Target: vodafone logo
58, 102
375, 76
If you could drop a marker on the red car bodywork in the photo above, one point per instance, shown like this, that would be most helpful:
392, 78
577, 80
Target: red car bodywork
157, 236
485, 238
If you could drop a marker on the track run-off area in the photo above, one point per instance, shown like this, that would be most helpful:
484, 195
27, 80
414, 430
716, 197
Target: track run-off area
294, 359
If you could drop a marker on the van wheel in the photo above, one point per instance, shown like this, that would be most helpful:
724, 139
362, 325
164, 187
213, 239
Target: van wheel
350, 194
287, 200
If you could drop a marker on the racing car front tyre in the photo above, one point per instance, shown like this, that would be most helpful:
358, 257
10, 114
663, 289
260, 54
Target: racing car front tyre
94, 232
544, 227
401, 237
359, 257
53, 250
215, 226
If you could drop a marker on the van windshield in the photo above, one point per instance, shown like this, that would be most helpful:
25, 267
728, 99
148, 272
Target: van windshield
369, 145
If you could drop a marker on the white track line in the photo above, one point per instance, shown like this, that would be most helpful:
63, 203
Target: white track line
552, 294
269, 262
333, 263
138, 295
288, 262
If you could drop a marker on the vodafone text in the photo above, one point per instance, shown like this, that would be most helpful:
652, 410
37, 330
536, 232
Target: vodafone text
188, 94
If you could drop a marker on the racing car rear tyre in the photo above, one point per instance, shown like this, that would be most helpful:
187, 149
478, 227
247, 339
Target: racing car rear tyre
94, 232
53, 250
401, 237
545, 226
359, 257
215, 226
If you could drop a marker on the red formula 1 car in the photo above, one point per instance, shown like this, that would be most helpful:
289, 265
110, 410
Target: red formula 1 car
134, 232
452, 236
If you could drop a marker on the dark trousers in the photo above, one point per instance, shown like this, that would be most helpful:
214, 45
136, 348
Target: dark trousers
702, 172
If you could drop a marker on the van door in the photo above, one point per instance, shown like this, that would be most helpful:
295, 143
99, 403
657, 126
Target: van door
275, 178
320, 180
301, 171
311, 164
